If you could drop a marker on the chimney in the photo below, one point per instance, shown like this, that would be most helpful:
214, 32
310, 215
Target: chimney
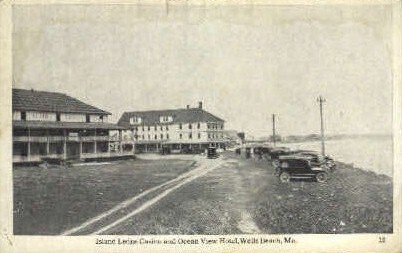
188, 106
200, 104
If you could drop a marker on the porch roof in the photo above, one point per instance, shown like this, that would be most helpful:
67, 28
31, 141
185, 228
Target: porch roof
65, 125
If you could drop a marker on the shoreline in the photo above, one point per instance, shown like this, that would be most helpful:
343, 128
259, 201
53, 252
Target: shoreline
350, 166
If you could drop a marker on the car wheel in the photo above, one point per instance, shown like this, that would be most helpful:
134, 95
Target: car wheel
321, 177
284, 177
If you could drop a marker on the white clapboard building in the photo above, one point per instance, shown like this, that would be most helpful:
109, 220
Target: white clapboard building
178, 130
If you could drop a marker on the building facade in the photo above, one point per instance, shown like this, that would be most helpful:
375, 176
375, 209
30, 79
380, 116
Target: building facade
179, 130
55, 125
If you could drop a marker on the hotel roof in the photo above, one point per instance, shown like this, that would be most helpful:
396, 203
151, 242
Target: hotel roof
33, 100
179, 116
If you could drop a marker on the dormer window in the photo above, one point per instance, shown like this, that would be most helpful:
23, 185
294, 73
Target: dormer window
135, 120
164, 119
23, 116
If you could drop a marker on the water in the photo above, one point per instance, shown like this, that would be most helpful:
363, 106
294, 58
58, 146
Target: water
368, 153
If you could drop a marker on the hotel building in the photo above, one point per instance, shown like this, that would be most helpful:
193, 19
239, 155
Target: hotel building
55, 125
179, 130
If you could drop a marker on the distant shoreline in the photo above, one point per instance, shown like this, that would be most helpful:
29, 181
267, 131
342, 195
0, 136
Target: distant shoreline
340, 137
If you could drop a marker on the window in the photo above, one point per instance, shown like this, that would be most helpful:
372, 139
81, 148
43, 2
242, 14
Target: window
167, 136
208, 125
135, 120
24, 116
57, 116
156, 137
180, 126
180, 136
149, 136
155, 127
143, 128
222, 126
149, 128
136, 128
161, 128
209, 136
161, 136
165, 118
190, 135
167, 127
199, 136
87, 118
143, 137
190, 126
198, 125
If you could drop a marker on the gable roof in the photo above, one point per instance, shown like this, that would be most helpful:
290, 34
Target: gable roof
33, 100
179, 116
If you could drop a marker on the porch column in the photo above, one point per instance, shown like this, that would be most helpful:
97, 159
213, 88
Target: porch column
146, 148
121, 141
133, 141
80, 149
29, 145
65, 144
95, 144
47, 142
157, 147
180, 147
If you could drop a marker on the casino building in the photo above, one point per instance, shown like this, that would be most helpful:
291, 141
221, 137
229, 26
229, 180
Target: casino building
55, 125
179, 130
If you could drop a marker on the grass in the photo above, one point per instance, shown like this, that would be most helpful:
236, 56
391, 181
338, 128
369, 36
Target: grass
49, 201
352, 201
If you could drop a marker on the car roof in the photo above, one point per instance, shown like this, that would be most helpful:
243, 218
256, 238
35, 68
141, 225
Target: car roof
294, 157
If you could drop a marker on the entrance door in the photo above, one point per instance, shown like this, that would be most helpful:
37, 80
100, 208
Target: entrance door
73, 150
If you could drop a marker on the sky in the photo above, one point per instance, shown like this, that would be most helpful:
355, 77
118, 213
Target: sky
244, 62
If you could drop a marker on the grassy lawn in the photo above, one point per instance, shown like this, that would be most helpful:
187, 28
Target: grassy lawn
352, 201
49, 201
206, 205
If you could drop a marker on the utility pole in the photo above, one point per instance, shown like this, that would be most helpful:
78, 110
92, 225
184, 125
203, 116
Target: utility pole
321, 100
273, 129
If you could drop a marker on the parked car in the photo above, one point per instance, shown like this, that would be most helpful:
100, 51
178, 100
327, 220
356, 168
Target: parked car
211, 153
295, 166
274, 153
318, 158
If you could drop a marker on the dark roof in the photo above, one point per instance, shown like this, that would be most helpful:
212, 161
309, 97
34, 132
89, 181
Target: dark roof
179, 116
64, 125
33, 100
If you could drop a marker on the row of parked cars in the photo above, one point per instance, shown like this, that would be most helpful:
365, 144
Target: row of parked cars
298, 163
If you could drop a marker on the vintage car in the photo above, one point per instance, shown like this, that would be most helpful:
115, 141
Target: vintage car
295, 166
274, 153
317, 158
211, 153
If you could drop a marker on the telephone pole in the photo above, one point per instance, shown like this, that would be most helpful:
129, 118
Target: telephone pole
273, 129
321, 100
